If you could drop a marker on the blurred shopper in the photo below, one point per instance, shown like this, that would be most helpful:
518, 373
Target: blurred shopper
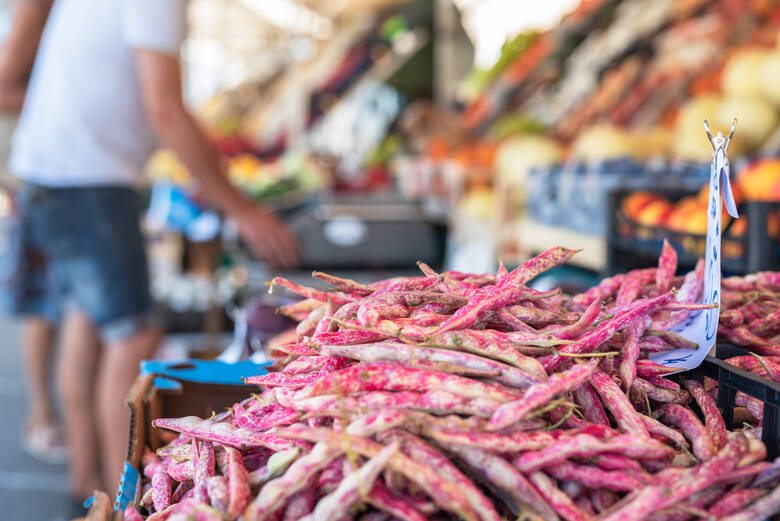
105, 84
29, 286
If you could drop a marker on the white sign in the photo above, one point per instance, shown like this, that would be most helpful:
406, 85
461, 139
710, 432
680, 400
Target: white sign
702, 326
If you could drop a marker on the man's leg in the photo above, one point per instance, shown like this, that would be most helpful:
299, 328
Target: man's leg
37, 348
77, 371
118, 369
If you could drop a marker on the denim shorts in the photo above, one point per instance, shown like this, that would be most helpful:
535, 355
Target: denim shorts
79, 247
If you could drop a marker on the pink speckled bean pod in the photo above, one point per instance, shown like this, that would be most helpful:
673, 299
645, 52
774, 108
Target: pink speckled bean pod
162, 486
238, 483
347, 337
617, 402
663, 395
376, 422
494, 345
743, 337
276, 492
654, 344
326, 324
265, 418
590, 404
223, 433
345, 285
307, 326
744, 473
489, 298
493, 442
501, 474
370, 313
594, 477
734, 501
682, 483
630, 354
712, 417
537, 265
766, 325
617, 462
295, 309
399, 506
583, 503
574, 331
685, 420
539, 394
586, 446
602, 499
536, 316
559, 501
444, 493
338, 298
418, 450
395, 377
605, 330
606, 288
754, 406
648, 369
659, 430
629, 291
131, 514
636, 506
667, 266
217, 489
731, 318
399, 352
301, 504
514, 323
354, 486
181, 489
203, 459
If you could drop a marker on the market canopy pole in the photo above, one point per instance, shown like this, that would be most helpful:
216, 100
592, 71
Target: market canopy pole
702, 326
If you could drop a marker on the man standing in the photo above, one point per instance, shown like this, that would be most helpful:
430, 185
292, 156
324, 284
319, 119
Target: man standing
105, 86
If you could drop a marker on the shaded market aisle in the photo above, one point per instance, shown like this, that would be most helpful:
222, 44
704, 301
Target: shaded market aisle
29, 490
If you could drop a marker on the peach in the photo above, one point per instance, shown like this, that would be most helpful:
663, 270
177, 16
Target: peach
655, 213
634, 203
760, 181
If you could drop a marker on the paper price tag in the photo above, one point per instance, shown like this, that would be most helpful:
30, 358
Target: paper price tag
702, 326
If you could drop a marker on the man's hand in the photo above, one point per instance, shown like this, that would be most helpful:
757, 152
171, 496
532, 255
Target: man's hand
160, 80
267, 235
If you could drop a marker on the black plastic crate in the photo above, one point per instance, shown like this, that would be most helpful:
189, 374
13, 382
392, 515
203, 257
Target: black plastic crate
633, 245
732, 379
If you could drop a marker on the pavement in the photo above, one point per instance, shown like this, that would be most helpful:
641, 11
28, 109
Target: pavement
29, 490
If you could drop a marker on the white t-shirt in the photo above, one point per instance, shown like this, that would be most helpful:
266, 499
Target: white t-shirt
83, 121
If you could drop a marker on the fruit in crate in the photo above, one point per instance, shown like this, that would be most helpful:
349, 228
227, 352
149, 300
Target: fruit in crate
656, 213
760, 181
683, 211
634, 203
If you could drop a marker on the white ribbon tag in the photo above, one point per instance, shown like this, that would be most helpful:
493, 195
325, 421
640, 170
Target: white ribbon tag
702, 326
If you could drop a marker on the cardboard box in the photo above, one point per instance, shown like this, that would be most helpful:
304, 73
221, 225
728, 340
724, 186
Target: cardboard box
192, 388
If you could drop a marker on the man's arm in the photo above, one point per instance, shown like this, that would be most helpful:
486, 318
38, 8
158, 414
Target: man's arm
161, 89
17, 54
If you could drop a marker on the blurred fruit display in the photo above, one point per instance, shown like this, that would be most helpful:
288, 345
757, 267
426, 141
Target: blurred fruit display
648, 216
292, 175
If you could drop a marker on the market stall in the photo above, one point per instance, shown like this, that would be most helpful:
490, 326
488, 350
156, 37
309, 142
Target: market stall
528, 299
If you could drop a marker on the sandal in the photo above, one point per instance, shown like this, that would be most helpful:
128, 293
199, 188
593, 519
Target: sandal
45, 443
